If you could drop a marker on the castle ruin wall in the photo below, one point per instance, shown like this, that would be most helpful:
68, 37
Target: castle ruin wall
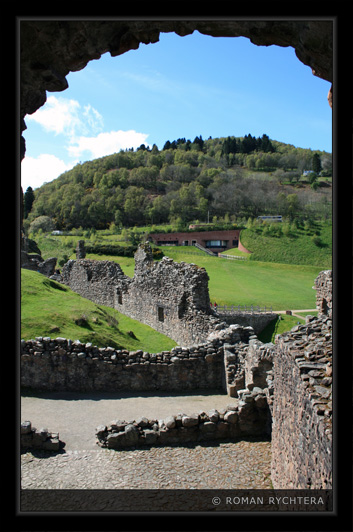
171, 297
247, 418
302, 408
64, 365
257, 320
94, 279
287, 385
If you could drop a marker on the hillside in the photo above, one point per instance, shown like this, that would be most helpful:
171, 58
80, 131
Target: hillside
229, 178
282, 286
51, 309
307, 243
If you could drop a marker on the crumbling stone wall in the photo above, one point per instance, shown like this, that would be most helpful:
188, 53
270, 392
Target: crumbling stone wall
94, 279
323, 286
248, 418
38, 264
63, 365
31, 258
32, 438
257, 320
171, 297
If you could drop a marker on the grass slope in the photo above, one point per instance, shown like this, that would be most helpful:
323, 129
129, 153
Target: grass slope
51, 309
284, 286
297, 248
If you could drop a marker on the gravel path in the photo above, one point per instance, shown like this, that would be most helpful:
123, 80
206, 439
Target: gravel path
83, 465
240, 465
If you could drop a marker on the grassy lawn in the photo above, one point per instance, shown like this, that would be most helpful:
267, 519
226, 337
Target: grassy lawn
282, 324
51, 309
284, 286
235, 252
297, 248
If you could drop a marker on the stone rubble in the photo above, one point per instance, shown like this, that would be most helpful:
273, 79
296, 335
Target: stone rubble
248, 418
38, 438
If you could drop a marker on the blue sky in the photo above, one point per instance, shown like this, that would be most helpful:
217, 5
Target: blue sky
178, 87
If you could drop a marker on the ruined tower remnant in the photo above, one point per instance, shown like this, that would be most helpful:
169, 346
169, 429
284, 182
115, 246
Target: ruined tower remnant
170, 297
323, 285
80, 250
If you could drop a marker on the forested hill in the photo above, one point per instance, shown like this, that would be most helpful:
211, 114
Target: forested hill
233, 176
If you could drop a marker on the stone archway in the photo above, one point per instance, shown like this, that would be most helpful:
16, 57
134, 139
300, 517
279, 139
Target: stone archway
50, 49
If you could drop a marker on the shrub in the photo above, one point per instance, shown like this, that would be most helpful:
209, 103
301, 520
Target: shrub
316, 240
63, 260
82, 321
157, 253
42, 223
286, 229
109, 249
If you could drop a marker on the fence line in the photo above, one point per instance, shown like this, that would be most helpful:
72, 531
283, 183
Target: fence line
186, 251
224, 309
231, 257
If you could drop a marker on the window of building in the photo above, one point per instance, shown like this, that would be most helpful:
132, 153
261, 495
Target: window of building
119, 297
167, 242
160, 313
216, 243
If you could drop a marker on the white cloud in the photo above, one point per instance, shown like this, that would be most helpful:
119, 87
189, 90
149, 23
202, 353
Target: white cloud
84, 139
37, 170
106, 143
64, 116
94, 118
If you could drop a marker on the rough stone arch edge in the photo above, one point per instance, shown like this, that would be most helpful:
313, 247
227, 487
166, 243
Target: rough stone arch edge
50, 49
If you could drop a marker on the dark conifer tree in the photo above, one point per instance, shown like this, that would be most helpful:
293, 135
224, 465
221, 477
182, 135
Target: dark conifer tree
28, 200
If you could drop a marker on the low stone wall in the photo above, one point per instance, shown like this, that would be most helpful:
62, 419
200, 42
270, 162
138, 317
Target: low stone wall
248, 418
60, 364
33, 438
302, 407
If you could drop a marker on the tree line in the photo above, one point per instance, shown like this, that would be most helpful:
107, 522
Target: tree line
184, 181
